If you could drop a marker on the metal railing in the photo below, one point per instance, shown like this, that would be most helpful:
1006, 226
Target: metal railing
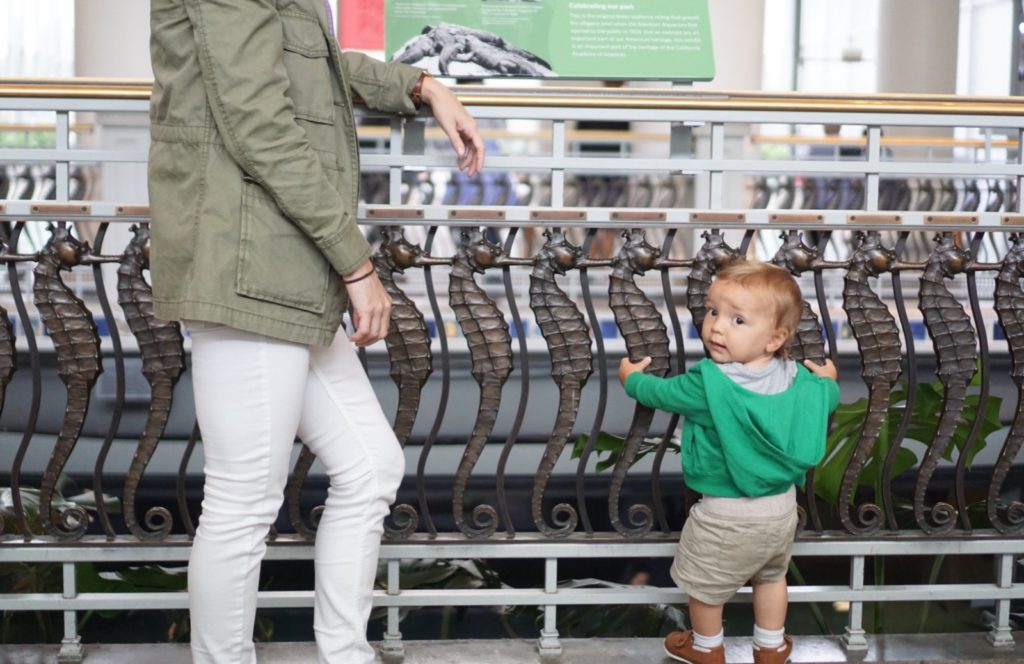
568, 303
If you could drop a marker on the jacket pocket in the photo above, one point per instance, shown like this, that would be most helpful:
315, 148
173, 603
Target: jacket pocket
307, 64
277, 262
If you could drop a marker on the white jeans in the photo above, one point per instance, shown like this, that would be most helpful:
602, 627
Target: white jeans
253, 394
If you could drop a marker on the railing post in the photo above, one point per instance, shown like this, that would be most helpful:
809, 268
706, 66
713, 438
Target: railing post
71, 645
715, 178
680, 144
548, 644
558, 154
392, 645
874, 150
854, 637
63, 142
1020, 179
408, 142
1000, 636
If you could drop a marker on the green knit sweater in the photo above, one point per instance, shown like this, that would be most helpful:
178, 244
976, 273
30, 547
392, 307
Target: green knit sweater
737, 442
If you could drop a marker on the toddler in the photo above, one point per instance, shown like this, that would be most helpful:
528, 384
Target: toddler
755, 422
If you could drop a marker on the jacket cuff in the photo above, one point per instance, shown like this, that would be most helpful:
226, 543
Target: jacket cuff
347, 250
405, 78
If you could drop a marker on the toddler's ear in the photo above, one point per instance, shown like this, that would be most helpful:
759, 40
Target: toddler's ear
778, 340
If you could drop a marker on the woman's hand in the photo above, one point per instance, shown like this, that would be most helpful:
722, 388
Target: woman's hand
626, 367
456, 122
371, 306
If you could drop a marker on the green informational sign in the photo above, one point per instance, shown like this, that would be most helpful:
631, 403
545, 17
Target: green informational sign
603, 39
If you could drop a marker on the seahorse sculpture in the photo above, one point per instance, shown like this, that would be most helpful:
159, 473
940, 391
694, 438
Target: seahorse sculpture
490, 350
77, 344
1009, 305
163, 362
797, 257
878, 341
408, 344
955, 347
8, 356
645, 335
408, 341
711, 257
411, 360
8, 353
568, 339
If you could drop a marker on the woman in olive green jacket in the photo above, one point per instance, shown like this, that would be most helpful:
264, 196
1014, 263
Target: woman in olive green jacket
253, 177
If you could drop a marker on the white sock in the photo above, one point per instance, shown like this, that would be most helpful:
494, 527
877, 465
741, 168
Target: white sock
708, 642
768, 638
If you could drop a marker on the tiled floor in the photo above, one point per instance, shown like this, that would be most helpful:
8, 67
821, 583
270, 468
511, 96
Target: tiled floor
912, 649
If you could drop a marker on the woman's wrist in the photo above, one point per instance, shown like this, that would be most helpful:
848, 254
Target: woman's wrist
428, 86
362, 272
416, 95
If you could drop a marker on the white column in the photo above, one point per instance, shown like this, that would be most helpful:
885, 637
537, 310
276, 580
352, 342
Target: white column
917, 46
737, 35
112, 38
917, 53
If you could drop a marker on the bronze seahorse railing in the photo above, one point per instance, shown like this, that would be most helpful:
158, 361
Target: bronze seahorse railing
878, 341
77, 345
1009, 305
602, 384
34, 365
797, 257
8, 355
568, 340
98, 263
955, 347
163, 362
506, 263
711, 257
645, 335
964, 458
910, 373
808, 344
666, 264
411, 361
409, 354
490, 350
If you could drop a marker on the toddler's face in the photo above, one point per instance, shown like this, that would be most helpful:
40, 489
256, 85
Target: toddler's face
740, 325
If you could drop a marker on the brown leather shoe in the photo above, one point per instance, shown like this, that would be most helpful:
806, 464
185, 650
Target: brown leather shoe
679, 646
778, 655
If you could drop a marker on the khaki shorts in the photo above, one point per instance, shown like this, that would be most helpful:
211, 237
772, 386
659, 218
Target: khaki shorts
719, 554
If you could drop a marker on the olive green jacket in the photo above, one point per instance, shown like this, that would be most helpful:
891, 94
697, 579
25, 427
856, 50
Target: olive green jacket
254, 165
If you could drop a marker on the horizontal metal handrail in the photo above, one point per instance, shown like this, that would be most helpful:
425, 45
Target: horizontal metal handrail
589, 97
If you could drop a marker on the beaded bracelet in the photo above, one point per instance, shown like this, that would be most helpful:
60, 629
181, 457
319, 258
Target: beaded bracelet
359, 278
